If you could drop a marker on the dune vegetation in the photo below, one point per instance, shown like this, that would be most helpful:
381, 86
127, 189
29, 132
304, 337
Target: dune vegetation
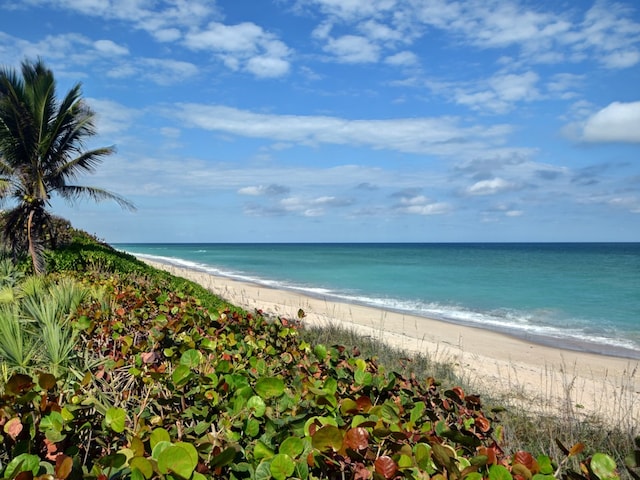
112, 369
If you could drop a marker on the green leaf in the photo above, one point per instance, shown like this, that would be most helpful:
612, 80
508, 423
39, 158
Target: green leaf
116, 419
282, 466
157, 436
473, 476
320, 351
53, 421
292, 446
498, 472
252, 428
191, 358
22, 463
263, 471
142, 465
269, 387
159, 448
257, 405
544, 462
422, 452
181, 375
261, 451
603, 466
181, 459
363, 378
327, 438
225, 457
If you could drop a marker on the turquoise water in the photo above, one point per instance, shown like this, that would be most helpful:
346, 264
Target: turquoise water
576, 296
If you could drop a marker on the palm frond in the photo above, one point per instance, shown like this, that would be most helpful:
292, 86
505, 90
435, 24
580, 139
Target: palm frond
74, 192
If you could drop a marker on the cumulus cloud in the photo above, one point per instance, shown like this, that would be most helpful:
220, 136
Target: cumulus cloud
490, 187
435, 136
245, 46
617, 122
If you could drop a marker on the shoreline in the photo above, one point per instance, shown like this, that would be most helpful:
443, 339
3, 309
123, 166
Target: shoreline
546, 378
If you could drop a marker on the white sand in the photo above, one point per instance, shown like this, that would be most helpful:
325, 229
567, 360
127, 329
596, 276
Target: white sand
534, 376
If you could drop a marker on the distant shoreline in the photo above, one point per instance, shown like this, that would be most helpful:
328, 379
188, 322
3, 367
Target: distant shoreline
496, 360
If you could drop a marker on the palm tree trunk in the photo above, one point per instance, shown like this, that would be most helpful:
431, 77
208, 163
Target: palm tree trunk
35, 249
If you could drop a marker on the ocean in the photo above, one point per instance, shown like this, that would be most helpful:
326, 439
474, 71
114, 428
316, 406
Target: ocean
578, 296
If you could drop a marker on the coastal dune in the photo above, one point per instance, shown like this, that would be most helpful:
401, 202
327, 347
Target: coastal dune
533, 376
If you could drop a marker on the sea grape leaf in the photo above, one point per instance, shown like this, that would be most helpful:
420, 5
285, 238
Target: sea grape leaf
157, 436
257, 405
261, 451
181, 375
159, 448
64, 465
327, 437
282, 466
24, 462
422, 452
252, 428
292, 446
46, 381
18, 384
385, 466
181, 459
191, 358
268, 387
225, 457
498, 472
544, 463
357, 438
116, 419
603, 466
13, 427
263, 471
142, 465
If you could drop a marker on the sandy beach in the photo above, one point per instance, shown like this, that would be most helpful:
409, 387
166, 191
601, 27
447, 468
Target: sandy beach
535, 376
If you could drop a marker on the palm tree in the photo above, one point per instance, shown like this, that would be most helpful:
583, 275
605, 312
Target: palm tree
41, 150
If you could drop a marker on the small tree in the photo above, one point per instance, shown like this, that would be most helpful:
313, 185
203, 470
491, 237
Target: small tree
41, 151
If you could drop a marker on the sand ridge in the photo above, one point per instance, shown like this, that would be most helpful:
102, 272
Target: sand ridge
536, 376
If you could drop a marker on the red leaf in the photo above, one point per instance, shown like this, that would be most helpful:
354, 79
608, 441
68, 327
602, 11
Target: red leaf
526, 459
483, 424
357, 438
385, 466
364, 404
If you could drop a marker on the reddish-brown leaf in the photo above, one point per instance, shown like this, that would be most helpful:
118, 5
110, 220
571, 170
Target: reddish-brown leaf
385, 466
576, 449
64, 465
482, 424
526, 459
364, 404
357, 438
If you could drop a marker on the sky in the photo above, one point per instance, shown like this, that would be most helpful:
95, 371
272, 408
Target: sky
350, 120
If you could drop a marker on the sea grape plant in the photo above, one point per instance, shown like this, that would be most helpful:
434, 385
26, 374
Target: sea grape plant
186, 391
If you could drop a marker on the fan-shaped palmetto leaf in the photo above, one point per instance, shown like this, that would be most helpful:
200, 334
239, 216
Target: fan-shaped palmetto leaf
16, 348
41, 152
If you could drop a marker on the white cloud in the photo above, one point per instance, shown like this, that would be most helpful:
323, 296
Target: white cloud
617, 122
353, 49
245, 46
112, 117
402, 59
435, 136
421, 205
490, 187
110, 48
499, 93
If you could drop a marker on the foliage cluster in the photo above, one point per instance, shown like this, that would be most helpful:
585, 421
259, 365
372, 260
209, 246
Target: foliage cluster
188, 390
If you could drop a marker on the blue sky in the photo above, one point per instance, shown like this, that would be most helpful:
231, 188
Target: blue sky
350, 120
